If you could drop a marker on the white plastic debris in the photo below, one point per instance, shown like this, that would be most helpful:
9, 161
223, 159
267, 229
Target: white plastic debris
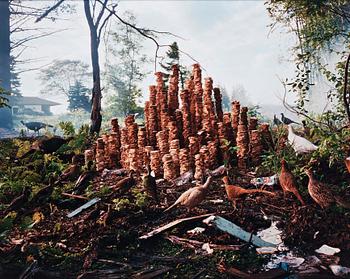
217, 201
273, 235
206, 247
289, 258
196, 230
232, 229
339, 270
327, 250
269, 180
316, 234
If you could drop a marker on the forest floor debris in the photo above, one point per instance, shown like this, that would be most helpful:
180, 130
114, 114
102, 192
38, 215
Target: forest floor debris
84, 245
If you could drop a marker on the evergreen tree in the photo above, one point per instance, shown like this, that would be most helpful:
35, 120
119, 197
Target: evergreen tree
172, 58
125, 76
78, 97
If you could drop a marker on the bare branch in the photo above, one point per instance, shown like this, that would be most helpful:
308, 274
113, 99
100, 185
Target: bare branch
46, 13
345, 90
102, 11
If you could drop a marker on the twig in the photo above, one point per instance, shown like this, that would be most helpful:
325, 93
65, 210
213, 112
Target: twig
74, 196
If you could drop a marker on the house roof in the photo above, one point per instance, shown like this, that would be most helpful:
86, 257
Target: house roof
24, 100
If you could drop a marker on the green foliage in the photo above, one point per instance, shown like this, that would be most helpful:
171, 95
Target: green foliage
125, 76
53, 164
333, 146
172, 57
141, 198
68, 128
78, 97
3, 99
121, 204
319, 25
61, 75
22, 145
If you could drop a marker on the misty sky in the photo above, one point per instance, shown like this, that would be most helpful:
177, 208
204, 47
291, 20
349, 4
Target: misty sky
230, 39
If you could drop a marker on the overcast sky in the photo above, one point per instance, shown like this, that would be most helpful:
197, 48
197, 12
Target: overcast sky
230, 39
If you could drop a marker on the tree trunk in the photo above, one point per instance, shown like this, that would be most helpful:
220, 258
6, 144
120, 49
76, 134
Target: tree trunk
96, 117
346, 94
5, 73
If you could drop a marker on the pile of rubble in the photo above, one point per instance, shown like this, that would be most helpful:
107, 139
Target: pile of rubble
194, 135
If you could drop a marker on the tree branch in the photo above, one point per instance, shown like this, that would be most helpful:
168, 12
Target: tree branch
46, 13
345, 92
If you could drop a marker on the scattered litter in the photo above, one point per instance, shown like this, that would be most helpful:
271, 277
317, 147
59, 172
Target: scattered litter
217, 201
84, 206
195, 244
316, 234
289, 259
206, 247
184, 178
339, 270
107, 172
266, 250
327, 250
236, 273
236, 231
218, 171
262, 181
172, 224
273, 235
197, 230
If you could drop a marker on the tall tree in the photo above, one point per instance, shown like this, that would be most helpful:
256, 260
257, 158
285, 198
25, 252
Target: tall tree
124, 76
61, 75
96, 26
78, 97
5, 73
321, 27
172, 58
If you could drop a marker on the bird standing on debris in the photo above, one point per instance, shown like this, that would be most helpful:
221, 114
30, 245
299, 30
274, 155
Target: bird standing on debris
287, 182
43, 193
72, 172
46, 145
276, 121
19, 201
150, 184
322, 194
287, 121
84, 180
35, 126
299, 144
193, 196
235, 192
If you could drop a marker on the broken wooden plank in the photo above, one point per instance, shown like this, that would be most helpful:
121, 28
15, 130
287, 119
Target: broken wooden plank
172, 224
84, 206
233, 229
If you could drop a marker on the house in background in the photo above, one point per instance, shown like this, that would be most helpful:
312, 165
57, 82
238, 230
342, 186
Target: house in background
23, 105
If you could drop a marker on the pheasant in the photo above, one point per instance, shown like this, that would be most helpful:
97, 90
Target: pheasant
193, 196
150, 185
299, 144
44, 193
235, 192
287, 182
72, 172
322, 194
